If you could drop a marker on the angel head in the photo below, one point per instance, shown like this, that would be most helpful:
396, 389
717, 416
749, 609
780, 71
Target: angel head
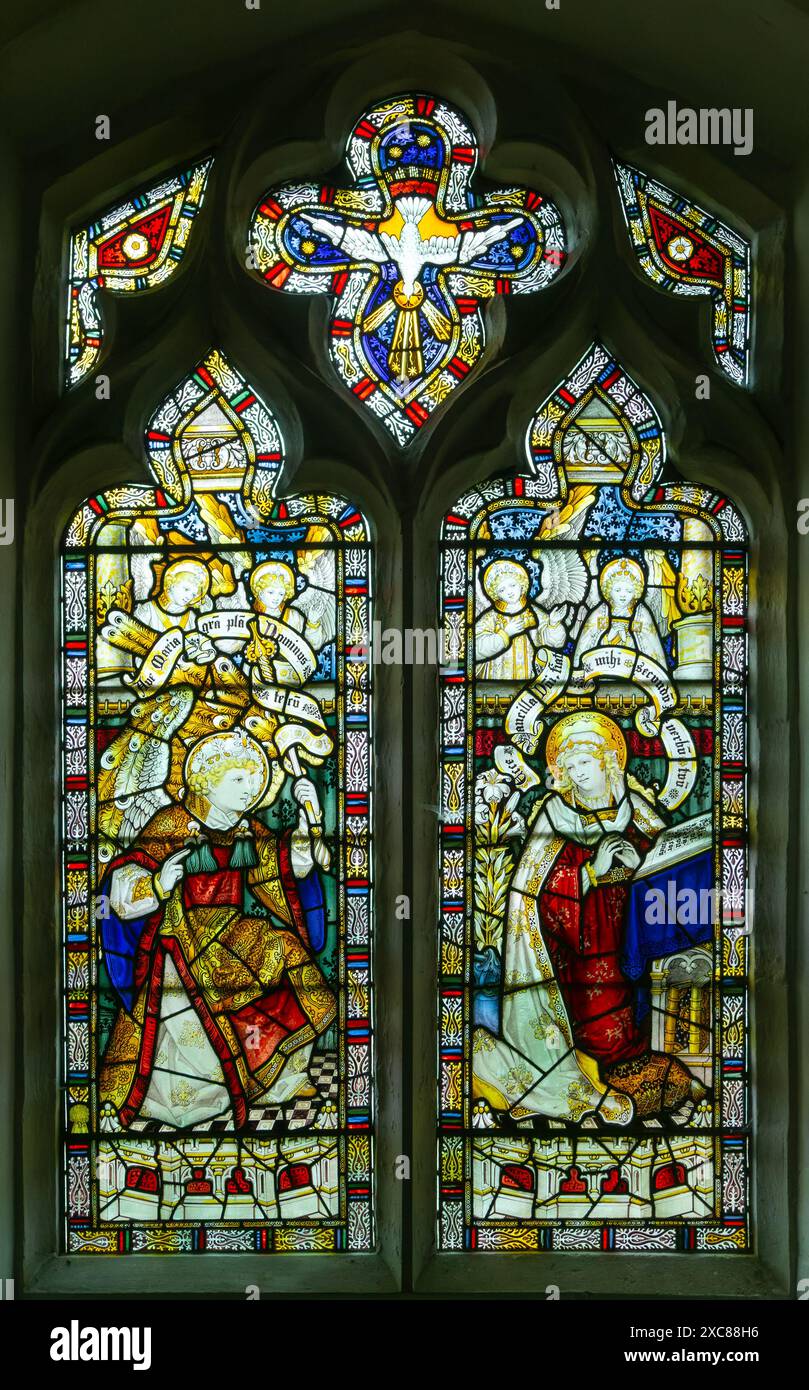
227, 771
184, 584
272, 585
506, 583
586, 758
622, 582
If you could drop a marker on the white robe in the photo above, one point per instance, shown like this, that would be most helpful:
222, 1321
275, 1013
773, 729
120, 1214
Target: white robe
639, 632
533, 1068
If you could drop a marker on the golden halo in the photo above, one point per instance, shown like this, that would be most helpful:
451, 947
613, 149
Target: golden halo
589, 727
220, 752
623, 565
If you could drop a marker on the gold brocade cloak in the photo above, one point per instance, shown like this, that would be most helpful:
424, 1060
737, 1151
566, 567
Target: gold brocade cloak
240, 972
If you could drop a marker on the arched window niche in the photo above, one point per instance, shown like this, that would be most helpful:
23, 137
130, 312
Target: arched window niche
216, 848
726, 447
545, 681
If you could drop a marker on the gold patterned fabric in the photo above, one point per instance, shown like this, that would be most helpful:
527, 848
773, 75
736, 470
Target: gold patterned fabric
252, 981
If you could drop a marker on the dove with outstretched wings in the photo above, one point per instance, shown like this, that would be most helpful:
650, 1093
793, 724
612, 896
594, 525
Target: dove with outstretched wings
410, 249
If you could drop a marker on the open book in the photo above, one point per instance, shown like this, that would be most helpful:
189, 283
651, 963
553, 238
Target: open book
682, 841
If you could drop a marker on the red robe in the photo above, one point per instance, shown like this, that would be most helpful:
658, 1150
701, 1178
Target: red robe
252, 981
584, 937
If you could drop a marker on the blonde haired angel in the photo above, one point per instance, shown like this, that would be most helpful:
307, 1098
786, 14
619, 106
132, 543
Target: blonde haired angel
625, 617
509, 632
219, 1004
512, 629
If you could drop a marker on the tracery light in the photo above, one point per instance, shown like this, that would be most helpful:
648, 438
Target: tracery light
408, 254
134, 246
685, 249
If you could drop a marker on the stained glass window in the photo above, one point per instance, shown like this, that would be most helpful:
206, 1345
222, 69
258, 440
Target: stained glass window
134, 246
593, 938
409, 254
216, 848
684, 249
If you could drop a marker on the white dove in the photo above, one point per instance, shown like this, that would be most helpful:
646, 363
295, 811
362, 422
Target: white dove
410, 251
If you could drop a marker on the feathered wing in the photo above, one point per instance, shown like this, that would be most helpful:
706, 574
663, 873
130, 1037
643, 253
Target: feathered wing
364, 246
473, 244
440, 250
146, 539
660, 590
482, 600
129, 633
136, 766
222, 529
359, 244
564, 578
413, 208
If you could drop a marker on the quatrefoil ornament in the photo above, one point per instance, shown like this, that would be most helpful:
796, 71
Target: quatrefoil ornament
408, 254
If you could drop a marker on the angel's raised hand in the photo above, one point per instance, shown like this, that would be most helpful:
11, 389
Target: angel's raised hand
171, 870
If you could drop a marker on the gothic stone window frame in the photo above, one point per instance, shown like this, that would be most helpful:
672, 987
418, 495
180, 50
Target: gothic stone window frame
67, 467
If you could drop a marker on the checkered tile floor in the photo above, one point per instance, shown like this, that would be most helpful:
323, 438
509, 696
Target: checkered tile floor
301, 1112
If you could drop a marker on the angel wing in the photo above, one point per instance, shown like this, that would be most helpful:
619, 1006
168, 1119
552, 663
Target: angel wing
564, 577
355, 241
128, 633
146, 539
136, 765
482, 600
221, 526
660, 590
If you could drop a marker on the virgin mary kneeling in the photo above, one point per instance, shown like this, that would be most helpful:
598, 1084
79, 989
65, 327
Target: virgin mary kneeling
570, 1045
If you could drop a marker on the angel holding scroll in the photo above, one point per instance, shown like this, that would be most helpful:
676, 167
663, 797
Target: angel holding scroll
513, 629
515, 634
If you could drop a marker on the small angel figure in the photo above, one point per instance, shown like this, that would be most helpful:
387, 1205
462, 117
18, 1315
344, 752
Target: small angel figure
624, 618
278, 650
161, 635
510, 634
182, 593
